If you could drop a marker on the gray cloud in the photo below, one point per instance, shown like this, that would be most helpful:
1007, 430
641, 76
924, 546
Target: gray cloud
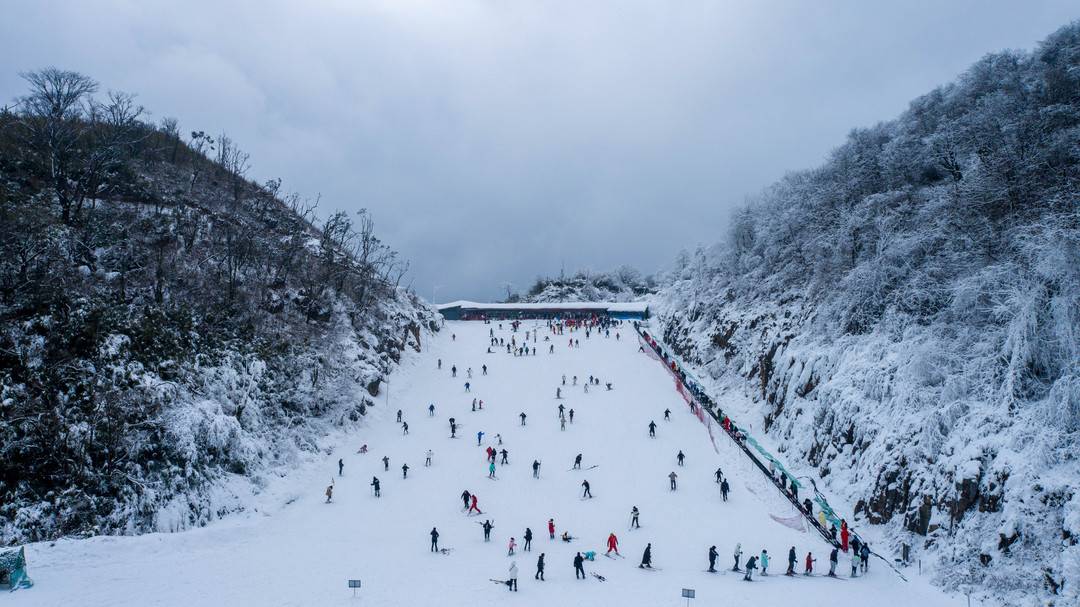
495, 141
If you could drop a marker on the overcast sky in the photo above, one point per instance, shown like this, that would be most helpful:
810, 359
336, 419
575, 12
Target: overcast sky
496, 141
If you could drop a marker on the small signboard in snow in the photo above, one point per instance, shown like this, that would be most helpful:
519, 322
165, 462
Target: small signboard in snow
688, 593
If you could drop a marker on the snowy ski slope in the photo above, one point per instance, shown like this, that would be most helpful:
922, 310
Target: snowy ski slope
291, 548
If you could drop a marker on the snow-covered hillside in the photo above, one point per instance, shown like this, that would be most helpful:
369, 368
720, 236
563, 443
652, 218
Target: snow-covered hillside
623, 284
904, 321
293, 548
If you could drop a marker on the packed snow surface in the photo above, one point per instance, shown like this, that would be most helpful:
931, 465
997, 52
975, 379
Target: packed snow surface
293, 548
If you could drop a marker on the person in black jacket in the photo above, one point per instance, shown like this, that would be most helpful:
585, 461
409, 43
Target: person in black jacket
375, 485
434, 539
528, 541
833, 557
751, 564
579, 566
646, 557
586, 492
712, 559
487, 530
791, 558
539, 568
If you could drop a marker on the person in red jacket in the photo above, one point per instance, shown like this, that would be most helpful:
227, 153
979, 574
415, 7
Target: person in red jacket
551, 528
612, 544
473, 506
809, 564
843, 535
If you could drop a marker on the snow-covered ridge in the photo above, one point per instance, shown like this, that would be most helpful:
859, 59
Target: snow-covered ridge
904, 320
177, 335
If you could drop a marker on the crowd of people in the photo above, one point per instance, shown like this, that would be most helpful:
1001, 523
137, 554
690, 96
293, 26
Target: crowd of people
522, 342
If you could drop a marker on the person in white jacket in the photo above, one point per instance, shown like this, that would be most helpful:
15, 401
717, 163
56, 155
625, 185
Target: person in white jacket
513, 576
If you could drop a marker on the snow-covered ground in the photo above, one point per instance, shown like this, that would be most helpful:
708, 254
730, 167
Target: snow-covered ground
291, 548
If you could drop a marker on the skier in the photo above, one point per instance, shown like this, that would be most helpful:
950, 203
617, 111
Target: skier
523, 418
562, 423
855, 564
719, 475
453, 428
864, 556
579, 566
738, 555
612, 543
329, 492
809, 564
404, 428
513, 575
564, 379
634, 518
833, 557
434, 539
652, 429
404, 470
473, 506
375, 485
561, 409
467, 387
399, 416
586, 492
479, 437
539, 568
712, 559
680, 457
386, 463
491, 470
750, 566
558, 393
646, 557
431, 410
510, 547
440, 364
487, 530
465, 495
724, 487
764, 560
453, 371
504, 454
667, 415
551, 528
340, 466
484, 367
571, 416
843, 535
536, 468
427, 459
672, 477
528, 540
577, 462
791, 558
855, 541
